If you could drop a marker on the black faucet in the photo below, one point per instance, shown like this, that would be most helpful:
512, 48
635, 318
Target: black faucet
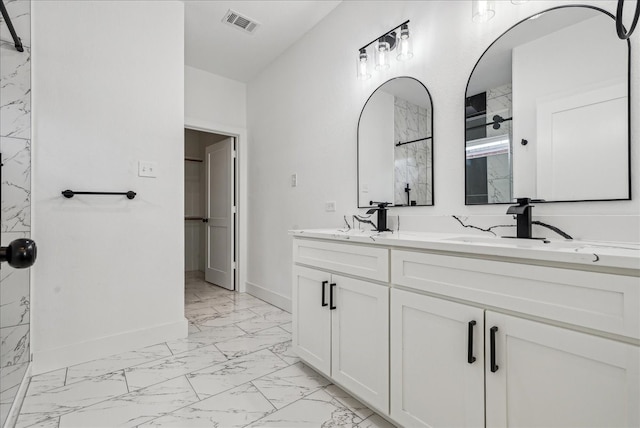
408, 191
523, 217
382, 215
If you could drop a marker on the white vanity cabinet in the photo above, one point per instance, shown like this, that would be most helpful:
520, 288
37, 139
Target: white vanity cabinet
341, 323
536, 374
437, 362
438, 338
548, 376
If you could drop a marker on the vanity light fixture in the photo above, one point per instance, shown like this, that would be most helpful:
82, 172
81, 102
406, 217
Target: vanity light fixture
382, 54
482, 10
363, 66
405, 51
383, 46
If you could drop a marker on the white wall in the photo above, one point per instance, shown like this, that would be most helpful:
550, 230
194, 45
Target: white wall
108, 81
376, 149
209, 97
303, 111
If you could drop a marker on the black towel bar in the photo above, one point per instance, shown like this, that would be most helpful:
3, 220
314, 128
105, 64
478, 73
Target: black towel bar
70, 193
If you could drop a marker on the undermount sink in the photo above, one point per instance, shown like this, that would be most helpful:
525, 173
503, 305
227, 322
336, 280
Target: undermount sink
515, 242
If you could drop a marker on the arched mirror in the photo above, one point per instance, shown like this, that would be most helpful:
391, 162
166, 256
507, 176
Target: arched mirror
547, 112
395, 145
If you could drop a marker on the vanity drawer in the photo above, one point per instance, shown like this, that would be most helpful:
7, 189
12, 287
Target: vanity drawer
599, 301
359, 260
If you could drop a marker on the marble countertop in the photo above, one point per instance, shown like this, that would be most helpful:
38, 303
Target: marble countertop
595, 254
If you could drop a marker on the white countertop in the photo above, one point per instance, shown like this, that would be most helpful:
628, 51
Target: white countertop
596, 254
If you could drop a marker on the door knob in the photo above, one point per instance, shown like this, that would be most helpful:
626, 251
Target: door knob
20, 254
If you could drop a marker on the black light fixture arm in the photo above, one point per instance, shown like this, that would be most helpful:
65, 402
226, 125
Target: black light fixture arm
388, 32
620, 26
7, 20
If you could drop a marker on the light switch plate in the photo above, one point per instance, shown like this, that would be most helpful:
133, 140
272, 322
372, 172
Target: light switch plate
294, 180
330, 206
147, 169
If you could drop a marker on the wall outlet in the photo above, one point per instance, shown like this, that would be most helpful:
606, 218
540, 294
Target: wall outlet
294, 180
330, 206
147, 169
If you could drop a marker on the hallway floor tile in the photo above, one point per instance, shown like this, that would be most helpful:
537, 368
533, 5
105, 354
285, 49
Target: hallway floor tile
235, 369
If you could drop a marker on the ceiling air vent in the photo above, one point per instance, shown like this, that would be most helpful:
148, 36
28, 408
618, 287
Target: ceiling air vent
240, 22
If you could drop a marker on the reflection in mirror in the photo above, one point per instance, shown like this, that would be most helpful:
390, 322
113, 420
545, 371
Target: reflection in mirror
395, 145
547, 112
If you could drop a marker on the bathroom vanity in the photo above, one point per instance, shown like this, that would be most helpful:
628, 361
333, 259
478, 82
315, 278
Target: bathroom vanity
451, 330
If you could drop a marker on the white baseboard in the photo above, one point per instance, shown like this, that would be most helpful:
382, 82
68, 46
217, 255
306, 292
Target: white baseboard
14, 411
57, 358
269, 296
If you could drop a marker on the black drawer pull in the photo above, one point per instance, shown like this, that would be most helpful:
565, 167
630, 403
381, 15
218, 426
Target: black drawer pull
492, 339
324, 286
470, 358
331, 305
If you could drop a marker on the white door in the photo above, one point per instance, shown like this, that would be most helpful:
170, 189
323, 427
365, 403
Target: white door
360, 338
547, 376
219, 218
437, 364
312, 318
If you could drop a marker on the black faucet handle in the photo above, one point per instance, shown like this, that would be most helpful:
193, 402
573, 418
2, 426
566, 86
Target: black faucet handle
381, 205
524, 201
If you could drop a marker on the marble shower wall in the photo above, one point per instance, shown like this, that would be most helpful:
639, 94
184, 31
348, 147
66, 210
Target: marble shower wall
412, 161
499, 179
15, 212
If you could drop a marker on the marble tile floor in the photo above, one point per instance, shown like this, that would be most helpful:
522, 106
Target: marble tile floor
235, 369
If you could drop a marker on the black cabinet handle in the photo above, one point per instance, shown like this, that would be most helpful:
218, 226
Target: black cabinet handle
470, 358
205, 220
331, 305
492, 340
324, 286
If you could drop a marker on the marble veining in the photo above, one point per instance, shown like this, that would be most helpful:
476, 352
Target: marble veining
227, 375
15, 207
15, 91
15, 215
412, 162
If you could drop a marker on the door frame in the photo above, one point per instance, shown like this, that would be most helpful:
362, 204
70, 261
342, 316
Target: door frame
240, 134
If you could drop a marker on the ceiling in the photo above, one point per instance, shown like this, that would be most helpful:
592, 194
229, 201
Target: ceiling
216, 47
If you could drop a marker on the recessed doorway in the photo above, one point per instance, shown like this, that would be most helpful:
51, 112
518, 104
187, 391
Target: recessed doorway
210, 207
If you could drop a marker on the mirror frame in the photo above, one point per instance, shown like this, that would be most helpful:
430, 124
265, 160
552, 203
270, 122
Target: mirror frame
628, 198
433, 200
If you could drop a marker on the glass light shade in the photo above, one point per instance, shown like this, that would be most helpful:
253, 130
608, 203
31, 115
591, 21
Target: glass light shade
363, 65
404, 45
382, 55
483, 10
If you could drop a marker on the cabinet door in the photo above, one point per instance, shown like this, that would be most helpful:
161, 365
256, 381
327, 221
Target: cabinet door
360, 328
435, 380
547, 376
311, 320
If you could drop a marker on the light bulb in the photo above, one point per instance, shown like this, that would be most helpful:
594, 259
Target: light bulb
382, 54
363, 72
404, 48
483, 10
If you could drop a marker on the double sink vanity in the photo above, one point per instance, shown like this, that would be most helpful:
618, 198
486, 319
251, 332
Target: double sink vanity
433, 329
454, 330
